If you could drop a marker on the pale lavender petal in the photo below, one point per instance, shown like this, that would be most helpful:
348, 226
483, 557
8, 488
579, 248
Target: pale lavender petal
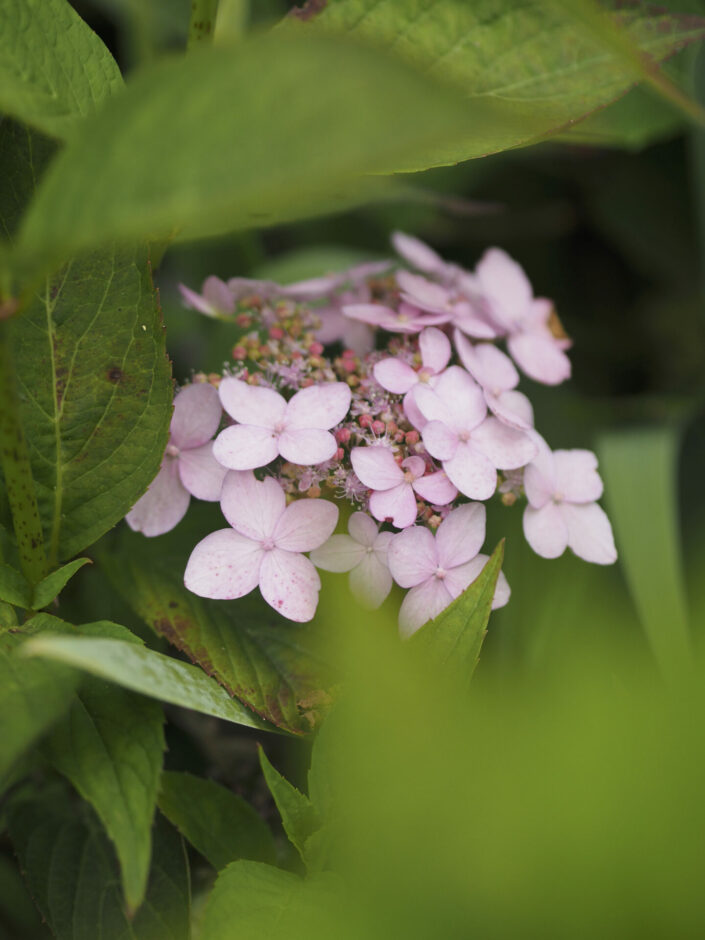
196, 301
505, 286
488, 365
414, 465
506, 447
430, 404
313, 287
440, 441
577, 479
397, 504
540, 475
371, 581
251, 404
539, 313
245, 287
436, 488
545, 530
472, 472
422, 293
307, 446
417, 254
412, 556
475, 326
319, 406
305, 524
540, 357
252, 507
218, 295
164, 504
512, 408
375, 467
412, 412
290, 584
375, 314
435, 348
381, 545
461, 578
357, 336
589, 533
421, 604
363, 529
244, 447
224, 565
461, 534
201, 473
339, 553
462, 397
197, 414
395, 375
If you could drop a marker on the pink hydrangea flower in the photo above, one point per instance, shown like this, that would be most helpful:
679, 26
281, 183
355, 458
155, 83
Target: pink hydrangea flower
399, 377
215, 300
443, 301
471, 446
420, 256
269, 426
263, 547
439, 568
407, 319
497, 377
188, 468
562, 488
364, 554
511, 303
394, 487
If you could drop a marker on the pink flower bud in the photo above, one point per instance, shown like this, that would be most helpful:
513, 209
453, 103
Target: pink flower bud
413, 437
379, 427
342, 435
239, 352
315, 349
276, 332
365, 421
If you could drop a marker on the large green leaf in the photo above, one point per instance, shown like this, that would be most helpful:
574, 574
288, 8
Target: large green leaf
53, 67
92, 374
217, 822
110, 746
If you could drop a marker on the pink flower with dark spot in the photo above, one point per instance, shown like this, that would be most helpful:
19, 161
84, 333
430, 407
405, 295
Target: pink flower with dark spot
263, 547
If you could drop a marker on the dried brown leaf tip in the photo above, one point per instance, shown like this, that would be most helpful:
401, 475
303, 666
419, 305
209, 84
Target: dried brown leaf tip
310, 9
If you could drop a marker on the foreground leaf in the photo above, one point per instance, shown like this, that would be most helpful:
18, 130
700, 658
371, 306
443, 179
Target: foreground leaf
53, 68
110, 746
217, 823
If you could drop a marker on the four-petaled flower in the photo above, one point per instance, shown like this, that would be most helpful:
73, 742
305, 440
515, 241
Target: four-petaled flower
263, 547
498, 378
562, 488
399, 377
269, 426
188, 468
439, 568
364, 554
407, 319
394, 487
471, 446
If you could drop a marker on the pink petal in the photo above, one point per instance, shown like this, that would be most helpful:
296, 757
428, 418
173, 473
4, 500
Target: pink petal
539, 313
245, 447
507, 448
357, 336
417, 254
164, 504
375, 467
589, 533
313, 287
436, 488
381, 545
486, 364
196, 301
461, 534
305, 524
475, 326
416, 466
545, 530
412, 556
397, 504
472, 472
512, 408
539, 357
420, 292
538, 487
251, 507
339, 553
363, 529
201, 473
307, 446
247, 287
224, 565
395, 375
251, 404
290, 584
439, 440
375, 314
319, 406
197, 414
421, 604
435, 348
462, 577
218, 295
371, 581
412, 412
577, 479
505, 285
462, 397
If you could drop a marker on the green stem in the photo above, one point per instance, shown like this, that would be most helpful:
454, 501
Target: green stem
202, 23
14, 461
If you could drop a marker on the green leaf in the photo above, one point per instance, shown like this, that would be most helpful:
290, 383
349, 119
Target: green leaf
92, 374
14, 587
454, 639
49, 587
645, 519
217, 823
33, 695
43, 623
270, 663
300, 817
165, 913
53, 68
142, 670
110, 746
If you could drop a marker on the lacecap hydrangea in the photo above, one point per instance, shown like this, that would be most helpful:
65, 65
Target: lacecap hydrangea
392, 387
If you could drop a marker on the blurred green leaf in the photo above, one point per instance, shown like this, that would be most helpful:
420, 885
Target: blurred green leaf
217, 823
105, 629
165, 913
300, 817
18, 915
14, 587
141, 670
313, 261
110, 746
53, 68
49, 587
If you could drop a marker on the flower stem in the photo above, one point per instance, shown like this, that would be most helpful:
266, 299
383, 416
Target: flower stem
202, 23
